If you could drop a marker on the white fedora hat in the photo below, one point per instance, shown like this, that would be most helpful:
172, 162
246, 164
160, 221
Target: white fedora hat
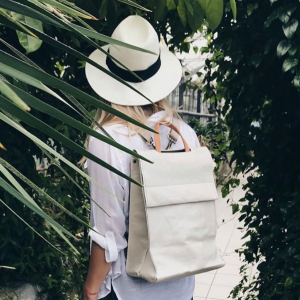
160, 73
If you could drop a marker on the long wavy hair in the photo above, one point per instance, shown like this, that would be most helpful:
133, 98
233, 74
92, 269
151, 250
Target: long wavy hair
139, 113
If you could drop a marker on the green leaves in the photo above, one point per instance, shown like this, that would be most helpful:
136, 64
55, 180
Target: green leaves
283, 15
171, 5
133, 4
288, 282
256, 59
181, 12
213, 12
189, 7
3, 203
273, 16
31, 204
290, 28
17, 191
270, 97
297, 81
29, 43
103, 10
195, 20
293, 50
204, 49
289, 63
7, 16
235, 208
36, 123
159, 10
283, 47
11, 95
22, 76
73, 11
233, 8
251, 8
48, 18
55, 113
285, 12
193, 11
15, 67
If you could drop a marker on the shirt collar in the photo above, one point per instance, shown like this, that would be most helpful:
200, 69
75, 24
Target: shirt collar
153, 119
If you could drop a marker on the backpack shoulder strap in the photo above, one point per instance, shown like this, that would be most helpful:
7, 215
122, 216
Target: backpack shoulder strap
146, 137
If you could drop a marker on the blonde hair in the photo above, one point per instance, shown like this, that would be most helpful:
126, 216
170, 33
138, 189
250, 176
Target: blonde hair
139, 113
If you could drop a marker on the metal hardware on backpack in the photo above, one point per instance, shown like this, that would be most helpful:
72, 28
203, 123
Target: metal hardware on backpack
172, 136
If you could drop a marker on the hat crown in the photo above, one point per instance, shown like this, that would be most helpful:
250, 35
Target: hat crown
136, 31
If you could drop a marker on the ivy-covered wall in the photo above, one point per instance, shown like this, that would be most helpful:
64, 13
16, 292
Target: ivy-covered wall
258, 76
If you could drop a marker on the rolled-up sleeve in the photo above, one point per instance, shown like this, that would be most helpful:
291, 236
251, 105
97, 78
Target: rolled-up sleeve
111, 220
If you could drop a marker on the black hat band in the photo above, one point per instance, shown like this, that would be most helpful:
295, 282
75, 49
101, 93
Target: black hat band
127, 76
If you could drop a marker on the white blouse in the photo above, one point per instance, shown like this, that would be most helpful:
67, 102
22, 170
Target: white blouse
115, 227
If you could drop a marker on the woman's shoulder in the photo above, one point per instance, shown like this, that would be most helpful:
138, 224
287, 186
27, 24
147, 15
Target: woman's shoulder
107, 151
116, 133
189, 133
113, 130
184, 127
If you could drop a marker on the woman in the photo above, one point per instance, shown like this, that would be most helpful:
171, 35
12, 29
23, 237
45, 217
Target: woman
107, 278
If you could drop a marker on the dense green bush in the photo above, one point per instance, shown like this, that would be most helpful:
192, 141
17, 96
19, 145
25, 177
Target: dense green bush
35, 261
258, 76
214, 135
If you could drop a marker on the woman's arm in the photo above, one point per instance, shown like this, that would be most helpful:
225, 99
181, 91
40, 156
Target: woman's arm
109, 221
98, 270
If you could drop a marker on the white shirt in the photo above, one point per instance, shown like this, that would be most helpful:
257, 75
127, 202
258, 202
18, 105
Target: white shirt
114, 228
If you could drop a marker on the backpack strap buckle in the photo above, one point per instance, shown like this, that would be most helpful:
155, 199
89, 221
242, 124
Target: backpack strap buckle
171, 139
150, 142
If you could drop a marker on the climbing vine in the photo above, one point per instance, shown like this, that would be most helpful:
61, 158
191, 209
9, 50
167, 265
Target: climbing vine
257, 75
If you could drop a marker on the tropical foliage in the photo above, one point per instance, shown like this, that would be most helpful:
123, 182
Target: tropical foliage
258, 76
47, 114
25, 133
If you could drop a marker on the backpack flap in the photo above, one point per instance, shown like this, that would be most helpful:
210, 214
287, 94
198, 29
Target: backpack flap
179, 177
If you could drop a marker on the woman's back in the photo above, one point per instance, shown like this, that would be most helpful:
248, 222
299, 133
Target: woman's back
116, 227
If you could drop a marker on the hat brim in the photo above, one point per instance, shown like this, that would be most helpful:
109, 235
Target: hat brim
155, 88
